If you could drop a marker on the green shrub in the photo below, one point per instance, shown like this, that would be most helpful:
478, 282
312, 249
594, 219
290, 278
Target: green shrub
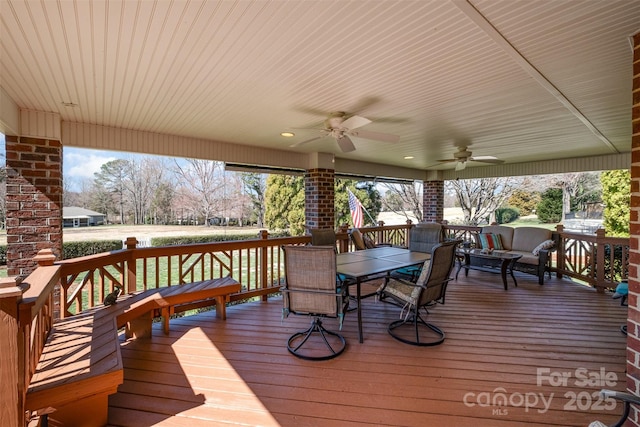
3, 255
524, 201
506, 215
550, 207
84, 248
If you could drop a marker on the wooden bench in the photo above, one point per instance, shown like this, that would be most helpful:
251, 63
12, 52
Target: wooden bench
81, 364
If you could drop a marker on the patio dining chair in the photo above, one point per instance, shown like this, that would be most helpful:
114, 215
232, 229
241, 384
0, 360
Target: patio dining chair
422, 238
313, 289
323, 237
428, 290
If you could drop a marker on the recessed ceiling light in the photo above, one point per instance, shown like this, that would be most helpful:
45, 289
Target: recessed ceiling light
408, 157
287, 134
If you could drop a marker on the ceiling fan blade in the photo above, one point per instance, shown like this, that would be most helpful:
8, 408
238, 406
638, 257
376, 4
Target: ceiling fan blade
345, 144
447, 160
461, 165
377, 136
355, 122
297, 144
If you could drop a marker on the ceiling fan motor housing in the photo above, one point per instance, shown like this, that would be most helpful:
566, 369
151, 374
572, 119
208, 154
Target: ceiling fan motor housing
334, 121
462, 155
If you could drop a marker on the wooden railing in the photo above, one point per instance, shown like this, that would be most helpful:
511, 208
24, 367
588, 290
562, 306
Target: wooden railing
26, 317
594, 259
258, 263
27, 309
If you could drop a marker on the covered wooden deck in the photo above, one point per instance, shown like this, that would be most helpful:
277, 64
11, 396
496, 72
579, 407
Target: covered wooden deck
502, 364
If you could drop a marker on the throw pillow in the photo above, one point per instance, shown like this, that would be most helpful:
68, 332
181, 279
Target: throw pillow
368, 243
490, 241
358, 241
547, 244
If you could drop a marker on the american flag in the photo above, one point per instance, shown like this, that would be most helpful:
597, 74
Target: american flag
356, 210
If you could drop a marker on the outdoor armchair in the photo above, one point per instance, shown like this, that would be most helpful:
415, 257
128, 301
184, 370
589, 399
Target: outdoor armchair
312, 289
428, 290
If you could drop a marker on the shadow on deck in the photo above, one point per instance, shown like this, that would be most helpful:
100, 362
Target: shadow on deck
532, 355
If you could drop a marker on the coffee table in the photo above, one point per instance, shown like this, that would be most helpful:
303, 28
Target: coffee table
496, 262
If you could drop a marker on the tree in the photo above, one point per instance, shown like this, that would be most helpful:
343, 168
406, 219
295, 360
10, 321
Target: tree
616, 195
551, 206
200, 185
284, 204
255, 186
479, 198
525, 201
578, 189
162, 203
112, 177
144, 176
403, 198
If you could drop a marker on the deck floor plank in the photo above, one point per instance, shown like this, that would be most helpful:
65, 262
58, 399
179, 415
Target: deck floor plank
238, 372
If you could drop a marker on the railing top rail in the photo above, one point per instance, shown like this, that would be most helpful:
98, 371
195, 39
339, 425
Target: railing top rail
40, 283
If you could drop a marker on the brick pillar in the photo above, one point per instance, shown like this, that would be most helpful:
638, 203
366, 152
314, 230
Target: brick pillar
633, 322
433, 201
319, 189
34, 201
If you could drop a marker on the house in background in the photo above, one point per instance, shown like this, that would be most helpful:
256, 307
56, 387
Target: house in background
73, 216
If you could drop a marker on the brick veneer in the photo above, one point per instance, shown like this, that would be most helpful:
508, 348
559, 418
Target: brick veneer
633, 324
433, 201
34, 201
319, 194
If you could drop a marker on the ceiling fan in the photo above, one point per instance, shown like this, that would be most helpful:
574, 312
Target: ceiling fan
462, 156
340, 126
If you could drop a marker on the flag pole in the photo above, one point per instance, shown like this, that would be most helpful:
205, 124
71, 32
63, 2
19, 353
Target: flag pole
369, 215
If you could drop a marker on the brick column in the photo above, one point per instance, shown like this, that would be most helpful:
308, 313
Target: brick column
319, 190
633, 322
433, 201
34, 201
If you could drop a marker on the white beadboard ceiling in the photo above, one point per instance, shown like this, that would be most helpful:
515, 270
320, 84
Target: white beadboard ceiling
526, 81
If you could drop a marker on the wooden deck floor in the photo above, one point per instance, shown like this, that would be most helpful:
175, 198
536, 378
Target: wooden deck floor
209, 372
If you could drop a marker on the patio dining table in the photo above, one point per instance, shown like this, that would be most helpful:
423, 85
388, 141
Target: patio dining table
372, 263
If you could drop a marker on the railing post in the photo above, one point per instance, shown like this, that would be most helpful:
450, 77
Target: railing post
343, 243
264, 264
46, 258
560, 257
12, 357
600, 276
380, 234
132, 278
407, 233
